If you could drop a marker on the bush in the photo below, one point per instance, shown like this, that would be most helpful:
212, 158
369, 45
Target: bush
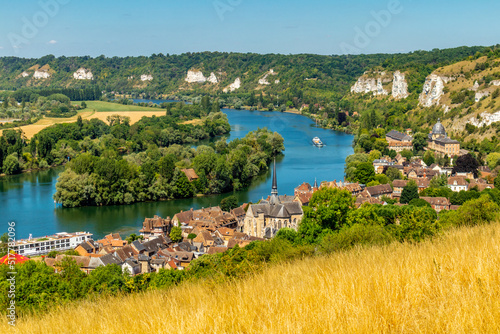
357, 234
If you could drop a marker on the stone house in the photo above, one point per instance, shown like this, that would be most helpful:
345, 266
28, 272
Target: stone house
457, 183
438, 203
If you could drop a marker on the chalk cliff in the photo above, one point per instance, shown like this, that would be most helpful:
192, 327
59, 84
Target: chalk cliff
83, 74
399, 86
234, 86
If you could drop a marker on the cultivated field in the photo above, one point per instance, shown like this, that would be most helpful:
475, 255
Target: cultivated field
449, 285
95, 109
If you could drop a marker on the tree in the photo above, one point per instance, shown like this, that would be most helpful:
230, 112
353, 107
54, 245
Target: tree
419, 142
133, 237
410, 191
466, 164
407, 154
176, 234
428, 158
365, 173
419, 202
496, 182
11, 164
393, 174
191, 236
84, 105
229, 203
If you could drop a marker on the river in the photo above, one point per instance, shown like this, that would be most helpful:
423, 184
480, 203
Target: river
27, 200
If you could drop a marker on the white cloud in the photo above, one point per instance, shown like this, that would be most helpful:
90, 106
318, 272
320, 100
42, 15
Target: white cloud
53, 41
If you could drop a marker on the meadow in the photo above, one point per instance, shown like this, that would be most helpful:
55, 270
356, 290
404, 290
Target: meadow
95, 109
449, 284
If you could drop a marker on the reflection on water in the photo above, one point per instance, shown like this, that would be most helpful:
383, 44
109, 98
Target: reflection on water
27, 198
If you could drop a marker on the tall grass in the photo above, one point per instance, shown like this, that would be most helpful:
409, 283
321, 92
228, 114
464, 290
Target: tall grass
450, 284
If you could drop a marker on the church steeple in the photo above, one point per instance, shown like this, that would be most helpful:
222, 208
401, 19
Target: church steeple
274, 190
315, 183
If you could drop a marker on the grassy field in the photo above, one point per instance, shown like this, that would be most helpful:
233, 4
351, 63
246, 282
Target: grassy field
95, 109
448, 285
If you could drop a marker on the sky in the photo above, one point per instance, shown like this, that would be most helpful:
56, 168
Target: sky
34, 28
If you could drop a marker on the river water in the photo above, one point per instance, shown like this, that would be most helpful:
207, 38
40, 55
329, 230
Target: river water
27, 198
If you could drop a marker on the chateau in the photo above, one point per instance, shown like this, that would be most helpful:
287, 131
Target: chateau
263, 220
439, 141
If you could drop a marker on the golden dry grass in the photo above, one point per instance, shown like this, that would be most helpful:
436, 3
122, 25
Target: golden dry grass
33, 129
449, 285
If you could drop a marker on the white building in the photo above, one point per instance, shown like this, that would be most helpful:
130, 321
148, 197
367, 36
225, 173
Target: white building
42, 245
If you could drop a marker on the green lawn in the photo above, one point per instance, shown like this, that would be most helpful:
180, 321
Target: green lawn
101, 106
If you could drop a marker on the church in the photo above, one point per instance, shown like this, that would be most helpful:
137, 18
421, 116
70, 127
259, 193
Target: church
439, 141
263, 220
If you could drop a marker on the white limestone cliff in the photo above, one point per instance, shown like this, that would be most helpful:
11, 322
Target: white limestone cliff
367, 85
41, 74
475, 86
212, 78
495, 83
479, 95
485, 119
399, 86
83, 74
25, 74
234, 86
432, 91
146, 77
195, 77
263, 80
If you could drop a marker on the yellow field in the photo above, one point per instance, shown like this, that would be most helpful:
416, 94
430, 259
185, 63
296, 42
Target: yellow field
449, 285
32, 129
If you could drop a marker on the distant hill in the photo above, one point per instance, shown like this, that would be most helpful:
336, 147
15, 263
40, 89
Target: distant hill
322, 77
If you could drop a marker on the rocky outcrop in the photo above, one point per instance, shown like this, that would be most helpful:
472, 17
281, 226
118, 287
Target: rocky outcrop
479, 95
263, 80
212, 78
433, 90
83, 74
194, 76
367, 85
495, 83
146, 77
41, 74
234, 86
25, 74
475, 86
399, 86
485, 119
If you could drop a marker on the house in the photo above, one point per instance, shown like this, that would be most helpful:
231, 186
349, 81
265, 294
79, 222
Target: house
190, 174
132, 266
303, 199
484, 171
480, 184
239, 213
125, 253
371, 200
394, 135
379, 191
457, 183
304, 188
422, 183
379, 164
438, 203
398, 186
82, 261
399, 146
205, 238
182, 218
225, 233
155, 227
114, 240
87, 247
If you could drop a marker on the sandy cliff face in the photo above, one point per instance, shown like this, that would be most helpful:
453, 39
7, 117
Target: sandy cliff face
234, 86
83, 74
399, 86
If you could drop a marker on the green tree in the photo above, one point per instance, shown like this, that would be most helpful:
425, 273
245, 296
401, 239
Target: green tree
429, 158
419, 142
365, 172
191, 236
410, 191
393, 174
176, 234
11, 164
229, 203
133, 237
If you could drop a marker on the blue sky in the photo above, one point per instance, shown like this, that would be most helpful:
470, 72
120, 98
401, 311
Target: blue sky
129, 28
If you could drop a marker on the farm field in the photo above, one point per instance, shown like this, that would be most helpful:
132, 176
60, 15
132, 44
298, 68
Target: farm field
95, 109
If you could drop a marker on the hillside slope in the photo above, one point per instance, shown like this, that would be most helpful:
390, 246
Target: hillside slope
449, 285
